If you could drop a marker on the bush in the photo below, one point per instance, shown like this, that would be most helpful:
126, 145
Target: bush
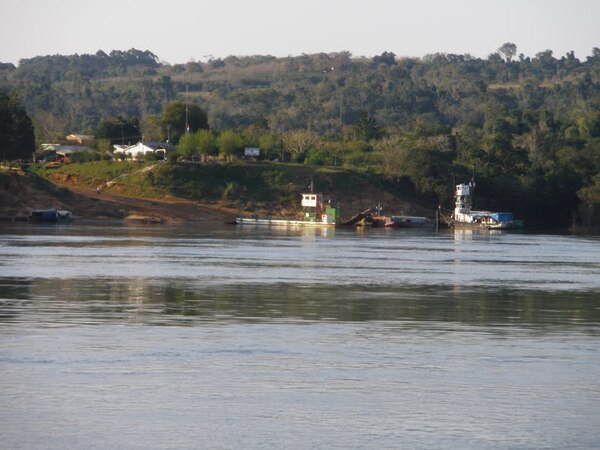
80, 157
319, 157
232, 190
173, 156
149, 156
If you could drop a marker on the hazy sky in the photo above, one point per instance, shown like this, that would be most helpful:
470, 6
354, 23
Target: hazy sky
179, 31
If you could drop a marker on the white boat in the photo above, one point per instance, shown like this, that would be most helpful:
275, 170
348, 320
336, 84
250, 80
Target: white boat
315, 213
464, 216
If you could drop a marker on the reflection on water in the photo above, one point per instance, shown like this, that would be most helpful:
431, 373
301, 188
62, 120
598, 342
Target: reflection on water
182, 275
304, 256
186, 302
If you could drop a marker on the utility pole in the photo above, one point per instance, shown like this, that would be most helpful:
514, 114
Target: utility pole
187, 125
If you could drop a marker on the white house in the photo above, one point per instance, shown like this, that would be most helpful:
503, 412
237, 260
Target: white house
140, 149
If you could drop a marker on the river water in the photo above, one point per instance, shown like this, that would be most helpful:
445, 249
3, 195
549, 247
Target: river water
247, 337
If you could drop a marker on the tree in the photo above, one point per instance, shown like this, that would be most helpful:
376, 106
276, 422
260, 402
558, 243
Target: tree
501, 156
595, 57
174, 119
386, 58
207, 143
271, 146
229, 143
17, 138
508, 50
188, 145
119, 130
425, 161
494, 58
366, 128
298, 142
318, 156
391, 155
152, 128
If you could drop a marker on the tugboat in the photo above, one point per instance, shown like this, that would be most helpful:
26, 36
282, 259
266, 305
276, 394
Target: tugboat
315, 213
464, 217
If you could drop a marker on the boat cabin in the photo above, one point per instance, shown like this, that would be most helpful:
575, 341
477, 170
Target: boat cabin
462, 196
314, 210
464, 215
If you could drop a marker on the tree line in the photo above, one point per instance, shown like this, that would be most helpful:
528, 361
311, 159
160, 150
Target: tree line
528, 128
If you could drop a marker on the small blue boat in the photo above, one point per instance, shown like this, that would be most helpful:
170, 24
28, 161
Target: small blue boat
50, 216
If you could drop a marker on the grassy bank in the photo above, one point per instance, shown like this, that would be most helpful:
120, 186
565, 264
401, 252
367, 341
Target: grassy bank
252, 187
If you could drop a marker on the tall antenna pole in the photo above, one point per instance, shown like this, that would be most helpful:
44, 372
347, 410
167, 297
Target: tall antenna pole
187, 125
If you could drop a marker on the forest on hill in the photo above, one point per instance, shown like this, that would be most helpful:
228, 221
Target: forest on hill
527, 128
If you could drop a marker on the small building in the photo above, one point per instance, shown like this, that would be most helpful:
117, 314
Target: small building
80, 139
251, 153
62, 153
119, 148
139, 150
66, 149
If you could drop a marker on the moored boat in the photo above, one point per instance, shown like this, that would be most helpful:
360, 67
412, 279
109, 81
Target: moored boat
50, 216
464, 216
315, 213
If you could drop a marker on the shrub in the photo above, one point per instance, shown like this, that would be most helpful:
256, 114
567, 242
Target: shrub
173, 156
232, 190
79, 157
319, 157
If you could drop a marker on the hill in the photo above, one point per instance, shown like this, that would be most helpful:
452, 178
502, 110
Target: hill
320, 92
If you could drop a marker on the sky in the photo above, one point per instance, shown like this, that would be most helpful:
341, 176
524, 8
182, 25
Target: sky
179, 31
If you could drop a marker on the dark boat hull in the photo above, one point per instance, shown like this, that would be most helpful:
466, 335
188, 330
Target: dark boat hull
50, 216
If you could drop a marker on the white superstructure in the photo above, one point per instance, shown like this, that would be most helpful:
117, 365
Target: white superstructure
465, 216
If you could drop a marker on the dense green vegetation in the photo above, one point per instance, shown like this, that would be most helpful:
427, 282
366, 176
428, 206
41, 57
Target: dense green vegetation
17, 138
528, 128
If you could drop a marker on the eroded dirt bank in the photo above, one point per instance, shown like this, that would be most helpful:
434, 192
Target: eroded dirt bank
20, 193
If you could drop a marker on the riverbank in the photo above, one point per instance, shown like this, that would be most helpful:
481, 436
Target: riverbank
22, 192
167, 192
158, 210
